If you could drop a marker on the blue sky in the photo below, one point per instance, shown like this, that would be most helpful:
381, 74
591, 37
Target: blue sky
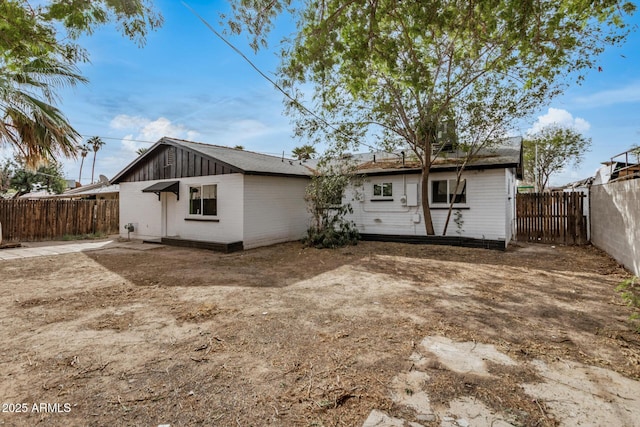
188, 84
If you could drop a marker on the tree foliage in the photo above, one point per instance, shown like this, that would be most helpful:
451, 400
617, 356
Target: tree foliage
550, 150
96, 143
140, 151
304, 152
324, 197
84, 150
5, 177
48, 177
39, 54
391, 72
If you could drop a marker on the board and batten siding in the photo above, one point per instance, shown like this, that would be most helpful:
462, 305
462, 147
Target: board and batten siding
154, 219
275, 210
484, 215
168, 162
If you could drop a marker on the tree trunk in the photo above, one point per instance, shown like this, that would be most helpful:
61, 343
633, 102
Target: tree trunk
451, 202
428, 222
93, 166
80, 176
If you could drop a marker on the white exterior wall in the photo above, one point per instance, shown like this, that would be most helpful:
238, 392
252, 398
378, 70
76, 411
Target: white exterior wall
484, 215
140, 209
228, 227
169, 217
385, 217
275, 210
511, 188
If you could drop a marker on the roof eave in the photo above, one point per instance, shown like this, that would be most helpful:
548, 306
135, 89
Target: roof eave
437, 168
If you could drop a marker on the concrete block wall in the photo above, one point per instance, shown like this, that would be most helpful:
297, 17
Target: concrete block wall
615, 221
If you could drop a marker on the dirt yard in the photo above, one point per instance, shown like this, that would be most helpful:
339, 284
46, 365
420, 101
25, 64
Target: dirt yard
376, 334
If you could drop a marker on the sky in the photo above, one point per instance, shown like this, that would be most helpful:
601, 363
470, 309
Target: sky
186, 83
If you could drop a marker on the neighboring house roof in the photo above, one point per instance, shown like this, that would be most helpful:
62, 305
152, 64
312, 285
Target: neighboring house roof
220, 160
38, 194
583, 183
98, 188
508, 154
615, 171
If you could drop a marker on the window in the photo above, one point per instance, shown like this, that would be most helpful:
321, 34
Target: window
203, 200
443, 191
383, 190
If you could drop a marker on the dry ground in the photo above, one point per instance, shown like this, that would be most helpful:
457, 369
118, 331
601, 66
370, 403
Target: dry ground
293, 336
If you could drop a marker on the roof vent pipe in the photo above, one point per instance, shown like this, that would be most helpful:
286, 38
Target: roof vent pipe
402, 152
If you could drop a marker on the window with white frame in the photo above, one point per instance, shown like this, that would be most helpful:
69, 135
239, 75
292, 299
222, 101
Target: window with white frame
445, 191
383, 190
203, 200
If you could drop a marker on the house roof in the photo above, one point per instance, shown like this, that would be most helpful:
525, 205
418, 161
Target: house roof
38, 194
247, 162
507, 154
100, 187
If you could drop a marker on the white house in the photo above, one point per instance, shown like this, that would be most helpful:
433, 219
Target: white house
387, 205
189, 193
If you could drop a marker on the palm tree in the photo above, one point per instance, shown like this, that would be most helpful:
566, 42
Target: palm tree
304, 152
84, 150
96, 143
28, 119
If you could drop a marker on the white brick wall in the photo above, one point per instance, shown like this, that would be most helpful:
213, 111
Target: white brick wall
274, 210
148, 212
615, 221
142, 209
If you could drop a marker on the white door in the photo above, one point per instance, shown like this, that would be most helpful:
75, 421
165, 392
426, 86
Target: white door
169, 209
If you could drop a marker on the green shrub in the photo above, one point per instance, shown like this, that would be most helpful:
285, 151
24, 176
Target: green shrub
630, 292
326, 202
335, 232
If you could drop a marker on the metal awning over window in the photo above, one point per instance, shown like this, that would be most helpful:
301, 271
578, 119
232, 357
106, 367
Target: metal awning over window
164, 187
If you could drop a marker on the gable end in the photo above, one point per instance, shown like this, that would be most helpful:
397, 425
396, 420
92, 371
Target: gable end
172, 162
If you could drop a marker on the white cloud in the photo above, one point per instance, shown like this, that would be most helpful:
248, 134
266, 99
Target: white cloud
562, 118
122, 121
627, 94
144, 131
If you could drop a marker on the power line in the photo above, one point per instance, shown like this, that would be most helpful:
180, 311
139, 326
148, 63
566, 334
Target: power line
153, 142
119, 139
297, 103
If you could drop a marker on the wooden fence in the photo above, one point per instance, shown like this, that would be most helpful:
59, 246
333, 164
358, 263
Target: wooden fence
551, 218
32, 220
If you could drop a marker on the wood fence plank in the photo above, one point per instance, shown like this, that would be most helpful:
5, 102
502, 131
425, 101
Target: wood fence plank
32, 220
551, 218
